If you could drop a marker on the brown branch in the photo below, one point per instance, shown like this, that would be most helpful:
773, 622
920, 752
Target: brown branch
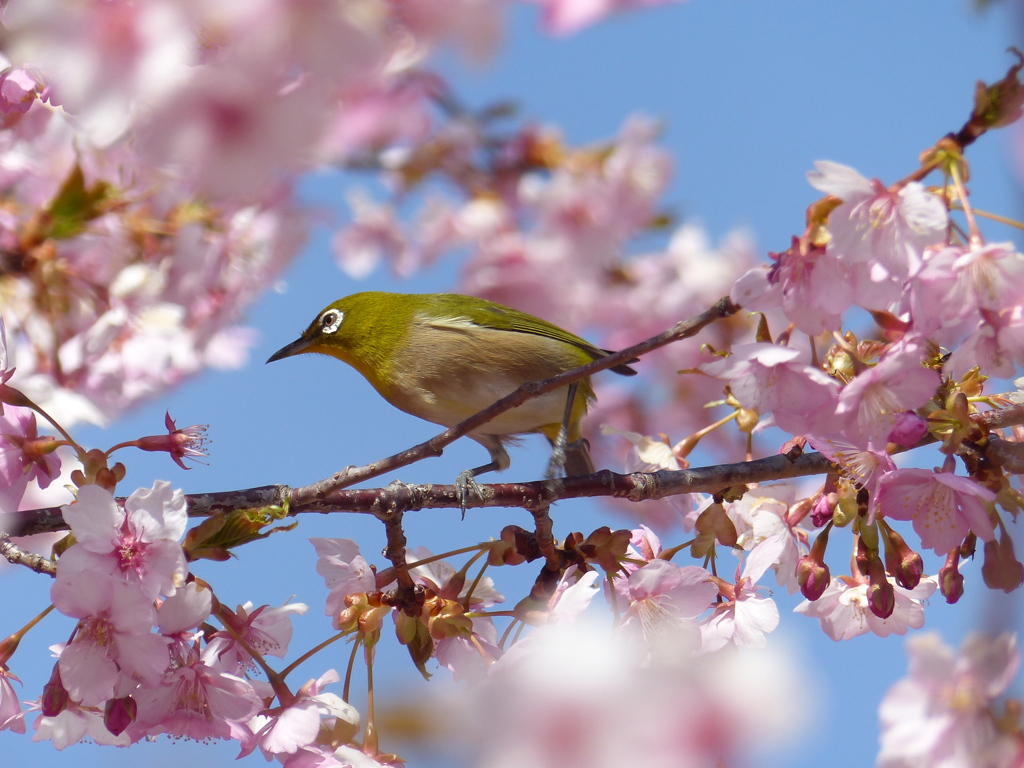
15, 555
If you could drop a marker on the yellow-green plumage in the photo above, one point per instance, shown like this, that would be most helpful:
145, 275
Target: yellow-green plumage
445, 357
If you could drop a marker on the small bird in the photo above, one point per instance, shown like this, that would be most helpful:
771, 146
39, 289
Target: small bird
444, 357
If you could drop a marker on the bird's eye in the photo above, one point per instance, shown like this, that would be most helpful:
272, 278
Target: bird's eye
330, 320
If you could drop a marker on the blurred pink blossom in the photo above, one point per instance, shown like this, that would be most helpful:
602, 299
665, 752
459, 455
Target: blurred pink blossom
943, 713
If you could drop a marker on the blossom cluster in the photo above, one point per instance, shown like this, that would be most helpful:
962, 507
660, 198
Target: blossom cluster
143, 659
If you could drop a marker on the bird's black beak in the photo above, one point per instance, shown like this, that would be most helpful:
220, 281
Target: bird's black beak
297, 347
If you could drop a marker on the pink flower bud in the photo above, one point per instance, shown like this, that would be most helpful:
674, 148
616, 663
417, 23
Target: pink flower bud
55, 697
119, 714
813, 577
881, 594
811, 572
908, 430
1002, 570
903, 563
821, 514
951, 581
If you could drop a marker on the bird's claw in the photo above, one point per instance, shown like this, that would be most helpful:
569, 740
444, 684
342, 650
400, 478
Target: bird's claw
465, 484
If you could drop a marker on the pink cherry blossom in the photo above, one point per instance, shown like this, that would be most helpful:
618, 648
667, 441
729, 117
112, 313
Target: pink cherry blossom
324, 757
996, 346
761, 514
861, 462
18, 89
870, 402
137, 542
113, 636
843, 608
943, 712
943, 506
196, 701
812, 286
344, 570
769, 379
184, 443
73, 724
297, 725
266, 630
469, 657
874, 225
745, 618
21, 460
11, 716
664, 601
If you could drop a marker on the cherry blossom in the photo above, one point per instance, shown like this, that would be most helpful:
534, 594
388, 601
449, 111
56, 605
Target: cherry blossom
843, 609
664, 601
941, 713
297, 725
266, 630
344, 570
113, 636
763, 513
890, 229
74, 723
745, 618
11, 716
769, 379
870, 402
943, 506
136, 542
196, 701
24, 456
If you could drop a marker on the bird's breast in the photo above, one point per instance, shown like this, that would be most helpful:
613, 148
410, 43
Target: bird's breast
447, 371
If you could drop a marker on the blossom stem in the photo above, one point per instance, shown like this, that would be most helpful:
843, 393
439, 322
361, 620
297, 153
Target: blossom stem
310, 653
972, 224
996, 217
346, 691
445, 555
684, 447
476, 581
668, 554
9, 645
63, 432
284, 695
370, 737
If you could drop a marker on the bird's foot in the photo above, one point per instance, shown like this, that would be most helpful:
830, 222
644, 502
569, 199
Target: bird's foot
556, 465
466, 484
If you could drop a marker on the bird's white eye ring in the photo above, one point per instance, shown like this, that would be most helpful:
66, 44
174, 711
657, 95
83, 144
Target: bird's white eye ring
330, 320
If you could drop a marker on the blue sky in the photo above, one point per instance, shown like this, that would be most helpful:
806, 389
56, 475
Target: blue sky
751, 94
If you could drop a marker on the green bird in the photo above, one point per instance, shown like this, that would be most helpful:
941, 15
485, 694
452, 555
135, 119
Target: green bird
444, 357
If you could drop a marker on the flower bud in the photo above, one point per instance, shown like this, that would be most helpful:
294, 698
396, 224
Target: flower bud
823, 509
902, 562
951, 581
1002, 570
55, 697
881, 598
908, 430
118, 714
812, 572
813, 577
